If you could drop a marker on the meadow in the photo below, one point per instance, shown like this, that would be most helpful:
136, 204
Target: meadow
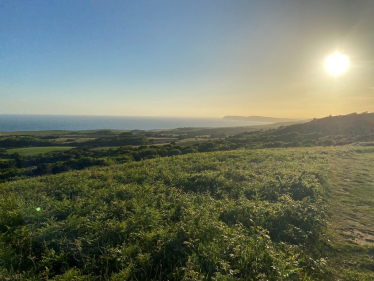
238, 215
30, 151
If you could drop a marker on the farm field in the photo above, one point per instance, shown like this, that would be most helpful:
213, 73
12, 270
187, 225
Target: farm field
72, 140
190, 141
29, 151
161, 140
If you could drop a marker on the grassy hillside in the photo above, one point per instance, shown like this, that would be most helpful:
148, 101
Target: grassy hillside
351, 124
105, 148
260, 118
269, 214
221, 132
189, 131
226, 209
242, 215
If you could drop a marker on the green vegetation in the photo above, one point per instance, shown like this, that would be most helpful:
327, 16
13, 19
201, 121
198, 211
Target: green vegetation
36, 133
351, 215
116, 141
223, 215
25, 141
30, 151
291, 203
191, 132
72, 140
103, 148
63, 133
189, 141
351, 124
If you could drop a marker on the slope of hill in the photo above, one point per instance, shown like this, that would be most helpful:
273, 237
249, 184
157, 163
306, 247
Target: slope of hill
260, 119
210, 214
351, 124
222, 132
213, 216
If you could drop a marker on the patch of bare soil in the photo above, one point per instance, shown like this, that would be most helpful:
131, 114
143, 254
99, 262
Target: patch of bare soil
359, 237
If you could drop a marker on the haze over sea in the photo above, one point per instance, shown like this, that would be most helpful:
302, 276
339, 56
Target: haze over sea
15, 122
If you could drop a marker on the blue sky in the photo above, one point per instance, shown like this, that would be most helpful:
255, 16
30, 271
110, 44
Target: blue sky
184, 58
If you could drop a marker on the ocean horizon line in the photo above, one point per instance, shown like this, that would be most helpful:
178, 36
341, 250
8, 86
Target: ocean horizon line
25, 122
103, 115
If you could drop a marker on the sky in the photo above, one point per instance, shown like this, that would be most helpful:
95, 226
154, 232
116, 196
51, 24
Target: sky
201, 58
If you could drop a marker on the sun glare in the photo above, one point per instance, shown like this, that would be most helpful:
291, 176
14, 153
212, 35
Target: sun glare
337, 64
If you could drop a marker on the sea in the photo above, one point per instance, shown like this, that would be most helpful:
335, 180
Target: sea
16, 122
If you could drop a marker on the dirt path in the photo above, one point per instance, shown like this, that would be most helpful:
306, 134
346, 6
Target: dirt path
351, 216
352, 197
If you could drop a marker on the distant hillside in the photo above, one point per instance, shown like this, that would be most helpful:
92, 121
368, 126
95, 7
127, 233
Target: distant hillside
351, 124
220, 132
259, 119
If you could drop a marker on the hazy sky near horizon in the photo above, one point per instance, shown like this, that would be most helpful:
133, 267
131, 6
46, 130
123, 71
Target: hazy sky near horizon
185, 57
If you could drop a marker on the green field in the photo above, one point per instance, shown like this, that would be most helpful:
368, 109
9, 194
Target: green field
190, 141
104, 148
29, 151
71, 139
267, 214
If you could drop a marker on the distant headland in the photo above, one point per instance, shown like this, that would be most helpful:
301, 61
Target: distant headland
259, 119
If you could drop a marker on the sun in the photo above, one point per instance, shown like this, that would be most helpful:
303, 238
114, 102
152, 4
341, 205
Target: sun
337, 64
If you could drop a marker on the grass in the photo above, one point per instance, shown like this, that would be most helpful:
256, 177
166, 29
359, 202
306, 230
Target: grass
72, 139
29, 151
351, 212
190, 141
199, 131
269, 214
238, 215
161, 140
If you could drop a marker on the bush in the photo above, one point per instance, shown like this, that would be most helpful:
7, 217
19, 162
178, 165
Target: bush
328, 142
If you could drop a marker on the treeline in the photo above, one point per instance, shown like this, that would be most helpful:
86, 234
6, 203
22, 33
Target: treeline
26, 141
83, 157
121, 140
